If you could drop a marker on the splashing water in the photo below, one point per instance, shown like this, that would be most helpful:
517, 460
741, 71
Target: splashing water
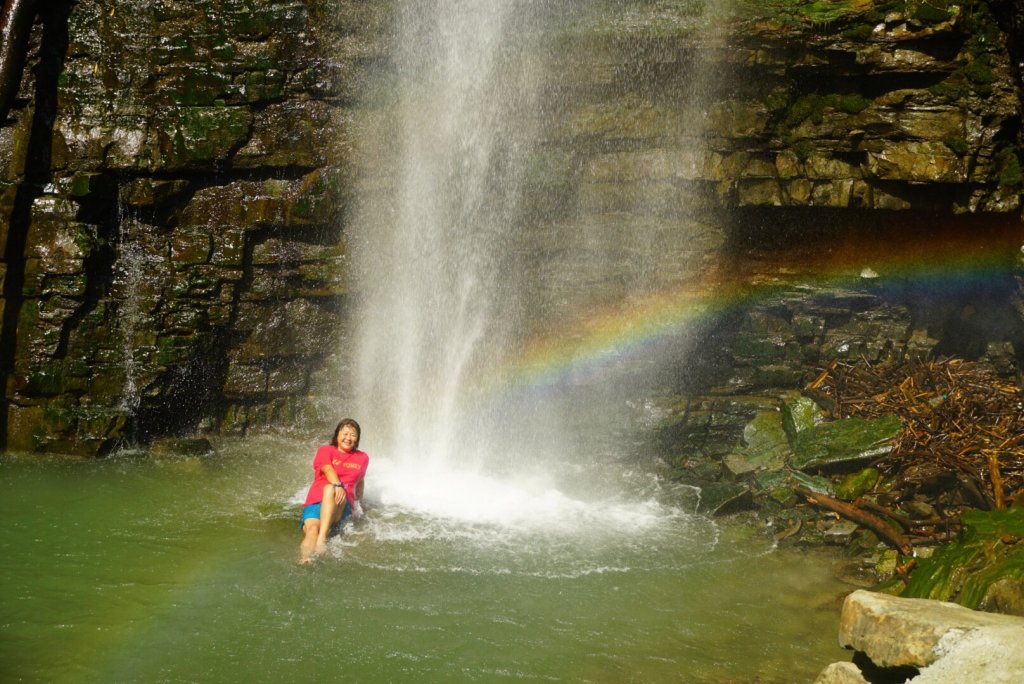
438, 301
145, 582
449, 288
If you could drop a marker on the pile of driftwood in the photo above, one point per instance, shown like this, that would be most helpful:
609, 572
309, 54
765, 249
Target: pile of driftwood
961, 446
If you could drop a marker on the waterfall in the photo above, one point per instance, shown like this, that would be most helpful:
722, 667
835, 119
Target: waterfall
129, 275
438, 282
478, 295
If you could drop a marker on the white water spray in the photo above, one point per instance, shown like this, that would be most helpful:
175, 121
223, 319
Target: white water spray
443, 271
439, 291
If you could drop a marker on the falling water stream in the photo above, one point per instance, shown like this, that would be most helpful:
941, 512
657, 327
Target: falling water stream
514, 529
458, 275
437, 272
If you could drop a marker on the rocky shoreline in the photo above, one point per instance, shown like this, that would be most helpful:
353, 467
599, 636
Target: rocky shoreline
913, 468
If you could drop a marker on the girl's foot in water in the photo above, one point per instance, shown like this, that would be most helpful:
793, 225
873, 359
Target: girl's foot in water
305, 554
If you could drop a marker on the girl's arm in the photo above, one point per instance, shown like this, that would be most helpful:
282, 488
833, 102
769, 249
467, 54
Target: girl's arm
339, 492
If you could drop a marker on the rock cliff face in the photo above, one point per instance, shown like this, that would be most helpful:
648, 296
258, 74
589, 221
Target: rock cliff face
861, 170
178, 174
884, 109
175, 177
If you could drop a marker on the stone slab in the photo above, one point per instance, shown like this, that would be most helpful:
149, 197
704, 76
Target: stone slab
949, 642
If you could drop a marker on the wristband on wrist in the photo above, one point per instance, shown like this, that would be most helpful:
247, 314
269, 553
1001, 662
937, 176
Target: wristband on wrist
338, 484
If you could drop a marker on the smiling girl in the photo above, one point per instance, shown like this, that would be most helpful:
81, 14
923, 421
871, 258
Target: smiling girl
338, 471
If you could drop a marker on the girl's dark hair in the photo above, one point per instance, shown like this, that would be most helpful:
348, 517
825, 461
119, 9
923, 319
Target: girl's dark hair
350, 423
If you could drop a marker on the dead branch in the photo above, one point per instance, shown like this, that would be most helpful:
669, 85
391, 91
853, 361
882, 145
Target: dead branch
869, 520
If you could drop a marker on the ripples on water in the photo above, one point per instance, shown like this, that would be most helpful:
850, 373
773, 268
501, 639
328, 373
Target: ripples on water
181, 569
489, 526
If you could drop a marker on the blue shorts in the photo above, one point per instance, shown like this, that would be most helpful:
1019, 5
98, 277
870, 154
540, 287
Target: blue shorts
313, 511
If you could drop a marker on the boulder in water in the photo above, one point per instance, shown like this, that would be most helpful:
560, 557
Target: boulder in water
945, 642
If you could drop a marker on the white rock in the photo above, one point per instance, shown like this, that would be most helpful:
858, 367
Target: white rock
950, 644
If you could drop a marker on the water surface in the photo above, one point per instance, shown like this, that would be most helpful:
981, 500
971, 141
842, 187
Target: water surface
175, 569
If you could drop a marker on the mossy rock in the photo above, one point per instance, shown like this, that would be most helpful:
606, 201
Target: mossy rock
857, 484
767, 445
931, 12
196, 137
773, 482
800, 414
85, 431
844, 442
1007, 168
988, 553
815, 483
720, 498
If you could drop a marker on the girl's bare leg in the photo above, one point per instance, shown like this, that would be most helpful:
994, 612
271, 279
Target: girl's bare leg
327, 508
310, 531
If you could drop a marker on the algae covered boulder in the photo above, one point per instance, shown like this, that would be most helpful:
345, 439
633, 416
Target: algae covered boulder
801, 414
844, 442
766, 445
856, 484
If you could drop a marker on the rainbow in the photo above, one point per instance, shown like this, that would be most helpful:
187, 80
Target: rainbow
938, 264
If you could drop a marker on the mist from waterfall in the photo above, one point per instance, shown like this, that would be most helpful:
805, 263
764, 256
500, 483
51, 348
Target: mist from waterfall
455, 270
438, 285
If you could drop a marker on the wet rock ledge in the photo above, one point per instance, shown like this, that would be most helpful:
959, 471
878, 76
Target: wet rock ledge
171, 196
923, 641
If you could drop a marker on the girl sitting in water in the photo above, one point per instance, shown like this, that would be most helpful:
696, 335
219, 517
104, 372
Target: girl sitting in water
338, 471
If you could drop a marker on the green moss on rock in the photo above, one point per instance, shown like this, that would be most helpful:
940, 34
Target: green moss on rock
195, 136
857, 484
957, 144
930, 12
988, 551
1007, 168
844, 442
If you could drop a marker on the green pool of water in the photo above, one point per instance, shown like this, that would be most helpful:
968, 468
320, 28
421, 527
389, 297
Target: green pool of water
175, 569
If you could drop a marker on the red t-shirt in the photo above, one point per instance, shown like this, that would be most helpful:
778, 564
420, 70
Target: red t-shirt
350, 467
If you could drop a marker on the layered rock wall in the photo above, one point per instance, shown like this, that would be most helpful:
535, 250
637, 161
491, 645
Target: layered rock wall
855, 178
175, 176
179, 175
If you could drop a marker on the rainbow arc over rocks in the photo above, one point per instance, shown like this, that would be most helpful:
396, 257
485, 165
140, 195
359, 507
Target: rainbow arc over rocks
938, 264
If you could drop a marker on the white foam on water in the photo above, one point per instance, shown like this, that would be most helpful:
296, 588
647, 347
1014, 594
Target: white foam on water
524, 505
424, 518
